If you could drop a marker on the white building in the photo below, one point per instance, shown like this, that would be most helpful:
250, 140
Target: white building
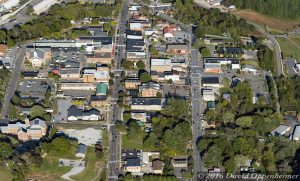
208, 95
296, 135
249, 68
281, 130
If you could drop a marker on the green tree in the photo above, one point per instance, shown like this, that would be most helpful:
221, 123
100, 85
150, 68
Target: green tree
140, 64
244, 122
37, 111
126, 64
126, 117
145, 77
6, 150
230, 165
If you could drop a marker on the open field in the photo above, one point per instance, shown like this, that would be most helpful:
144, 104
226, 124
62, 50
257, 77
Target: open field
274, 24
92, 167
290, 46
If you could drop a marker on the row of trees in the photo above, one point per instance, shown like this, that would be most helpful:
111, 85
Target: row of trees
242, 134
210, 21
266, 59
277, 8
4, 79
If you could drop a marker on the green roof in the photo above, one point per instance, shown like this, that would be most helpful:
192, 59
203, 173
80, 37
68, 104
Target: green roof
101, 89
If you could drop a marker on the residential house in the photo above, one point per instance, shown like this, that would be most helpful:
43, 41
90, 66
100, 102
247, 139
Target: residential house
98, 101
81, 150
150, 89
180, 162
226, 96
132, 83
211, 105
38, 57
160, 65
157, 166
147, 103
178, 49
281, 130
211, 82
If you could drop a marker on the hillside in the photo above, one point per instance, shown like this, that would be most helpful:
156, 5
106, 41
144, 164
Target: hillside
278, 8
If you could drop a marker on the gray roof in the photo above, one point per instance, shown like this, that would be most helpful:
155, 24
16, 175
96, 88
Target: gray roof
146, 101
81, 148
210, 80
91, 112
132, 162
149, 85
74, 111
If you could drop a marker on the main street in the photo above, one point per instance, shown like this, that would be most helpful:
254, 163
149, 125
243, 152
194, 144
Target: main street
13, 82
114, 136
195, 74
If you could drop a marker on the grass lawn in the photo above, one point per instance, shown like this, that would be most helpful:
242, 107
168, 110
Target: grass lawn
290, 46
5, 174
50, 169
92, 166
250, 62
132, 143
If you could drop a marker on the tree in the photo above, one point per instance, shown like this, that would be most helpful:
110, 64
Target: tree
37, 111
153, 51
213, 157
145, 77
6, 150
228, 117
12, 110
140, 64
126, 117
205, 52
230, 165
151, 142
244, 122
126, 64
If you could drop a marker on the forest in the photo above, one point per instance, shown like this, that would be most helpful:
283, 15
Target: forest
210, 21
277, 8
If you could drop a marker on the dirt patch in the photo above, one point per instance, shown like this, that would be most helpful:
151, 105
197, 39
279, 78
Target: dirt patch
275, 24
43, 177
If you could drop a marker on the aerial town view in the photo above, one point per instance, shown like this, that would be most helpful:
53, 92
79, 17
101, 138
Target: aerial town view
149, 90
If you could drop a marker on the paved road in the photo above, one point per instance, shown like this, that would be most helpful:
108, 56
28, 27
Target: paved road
13, 83
195, 74
114, 142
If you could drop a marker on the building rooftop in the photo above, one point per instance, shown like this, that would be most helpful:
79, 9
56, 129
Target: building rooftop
146, 101
210, 80
160, 62
133, 162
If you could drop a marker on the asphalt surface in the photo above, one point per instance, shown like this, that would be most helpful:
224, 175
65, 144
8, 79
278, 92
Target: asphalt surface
116, 112
195, 72
13, 83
